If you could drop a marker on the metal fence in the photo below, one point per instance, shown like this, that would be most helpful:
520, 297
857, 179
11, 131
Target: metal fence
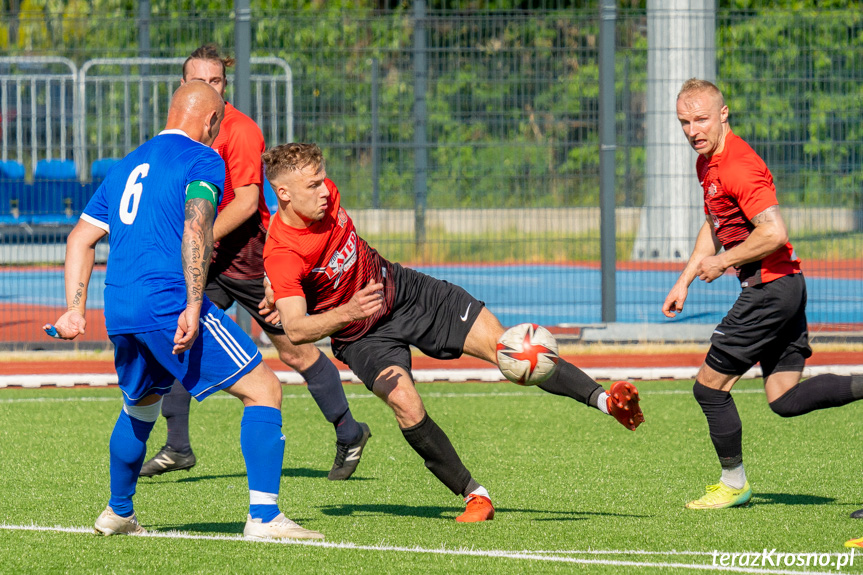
496, 184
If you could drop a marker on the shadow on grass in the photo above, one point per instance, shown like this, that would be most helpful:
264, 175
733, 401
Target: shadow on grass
289, 472
226, 528
790, 499
347, 510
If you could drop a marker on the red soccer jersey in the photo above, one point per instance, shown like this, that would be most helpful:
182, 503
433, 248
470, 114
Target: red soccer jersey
239, 254
327, 263
737, 187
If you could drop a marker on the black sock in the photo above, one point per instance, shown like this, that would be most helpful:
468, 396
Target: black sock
175, 409
819, 392
569, 381
326, 388
439, 455
723, 421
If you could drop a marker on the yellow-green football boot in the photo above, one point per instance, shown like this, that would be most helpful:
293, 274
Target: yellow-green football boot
720, 496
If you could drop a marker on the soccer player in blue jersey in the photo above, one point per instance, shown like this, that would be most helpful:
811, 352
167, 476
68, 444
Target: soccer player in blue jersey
158, 206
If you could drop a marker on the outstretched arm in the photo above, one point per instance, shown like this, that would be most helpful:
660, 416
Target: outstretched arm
80, 258
196, 251
301, 328
706, 246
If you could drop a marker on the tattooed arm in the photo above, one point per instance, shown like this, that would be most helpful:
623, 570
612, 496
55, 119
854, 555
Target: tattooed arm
197, 250
80, 258
769, 235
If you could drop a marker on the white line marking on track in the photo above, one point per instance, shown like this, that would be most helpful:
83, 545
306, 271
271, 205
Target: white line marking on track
353, 396
425, 375
547, 556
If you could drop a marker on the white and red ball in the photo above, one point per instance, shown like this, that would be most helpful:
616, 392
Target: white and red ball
527, 354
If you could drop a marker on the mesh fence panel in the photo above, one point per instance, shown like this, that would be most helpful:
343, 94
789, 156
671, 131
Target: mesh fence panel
510, 159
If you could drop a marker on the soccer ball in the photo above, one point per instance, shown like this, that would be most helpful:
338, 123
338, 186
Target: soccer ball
527, 354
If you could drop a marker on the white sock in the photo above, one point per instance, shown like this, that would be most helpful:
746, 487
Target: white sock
735, 477
602, 402
480, 491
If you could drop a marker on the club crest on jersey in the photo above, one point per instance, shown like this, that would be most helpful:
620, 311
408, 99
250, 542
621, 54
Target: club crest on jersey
342, 259
711, 191
343, 217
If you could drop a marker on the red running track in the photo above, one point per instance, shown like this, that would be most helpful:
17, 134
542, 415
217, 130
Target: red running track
658, 359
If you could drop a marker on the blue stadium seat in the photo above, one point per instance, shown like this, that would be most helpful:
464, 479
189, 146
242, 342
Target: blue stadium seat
98, 170
12, 187
57, 195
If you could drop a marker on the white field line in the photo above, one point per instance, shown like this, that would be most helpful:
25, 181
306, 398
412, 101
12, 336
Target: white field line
547, 556
356, 396
425, 375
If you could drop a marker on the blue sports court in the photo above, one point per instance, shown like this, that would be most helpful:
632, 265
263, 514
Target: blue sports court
550, 295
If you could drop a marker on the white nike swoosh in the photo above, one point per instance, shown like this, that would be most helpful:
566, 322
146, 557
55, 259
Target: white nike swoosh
464, 317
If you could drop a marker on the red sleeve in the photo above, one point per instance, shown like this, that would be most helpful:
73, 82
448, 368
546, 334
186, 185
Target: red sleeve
750, 182
245, 146
285, 271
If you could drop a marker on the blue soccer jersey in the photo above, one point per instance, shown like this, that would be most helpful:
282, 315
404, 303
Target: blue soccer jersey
141, 204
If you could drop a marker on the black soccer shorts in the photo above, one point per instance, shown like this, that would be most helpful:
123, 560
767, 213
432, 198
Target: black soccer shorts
224, 291
431, 314
767, 324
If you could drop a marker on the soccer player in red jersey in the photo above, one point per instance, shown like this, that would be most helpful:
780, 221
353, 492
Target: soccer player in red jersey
327, 281
236, 275
767, 323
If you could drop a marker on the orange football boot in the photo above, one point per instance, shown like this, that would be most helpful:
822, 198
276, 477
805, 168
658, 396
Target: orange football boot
622, 403
479, 508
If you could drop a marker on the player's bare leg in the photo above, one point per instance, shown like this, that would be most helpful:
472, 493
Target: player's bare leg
325, 385
395, 387
621, 401
263, 447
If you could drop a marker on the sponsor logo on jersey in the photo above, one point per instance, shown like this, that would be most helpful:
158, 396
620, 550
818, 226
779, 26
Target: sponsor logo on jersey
711, 191
341, 261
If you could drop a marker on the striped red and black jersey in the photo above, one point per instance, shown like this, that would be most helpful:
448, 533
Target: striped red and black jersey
326, 263
737, 187
239, 255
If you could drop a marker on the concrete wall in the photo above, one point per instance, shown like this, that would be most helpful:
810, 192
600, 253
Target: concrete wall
568, 220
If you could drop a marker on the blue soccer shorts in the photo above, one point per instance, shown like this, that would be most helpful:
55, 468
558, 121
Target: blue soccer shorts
221, 355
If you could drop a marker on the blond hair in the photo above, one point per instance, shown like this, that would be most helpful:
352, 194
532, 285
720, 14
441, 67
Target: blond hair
695, 85
292, 158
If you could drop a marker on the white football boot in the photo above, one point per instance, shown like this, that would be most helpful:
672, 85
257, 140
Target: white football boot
109, 523
279, 528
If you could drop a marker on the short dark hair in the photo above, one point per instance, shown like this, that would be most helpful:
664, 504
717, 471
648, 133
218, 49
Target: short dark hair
209, 52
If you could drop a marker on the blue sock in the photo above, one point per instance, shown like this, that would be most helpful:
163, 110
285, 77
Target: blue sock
263, 448
128, 447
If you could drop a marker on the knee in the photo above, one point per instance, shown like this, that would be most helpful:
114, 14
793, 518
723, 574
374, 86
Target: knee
406, 405
707, 396
786, 405
297, 357
259, 387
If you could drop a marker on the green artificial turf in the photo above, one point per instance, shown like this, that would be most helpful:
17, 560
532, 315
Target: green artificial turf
564, 479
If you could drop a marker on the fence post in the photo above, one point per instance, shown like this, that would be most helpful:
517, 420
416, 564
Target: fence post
144, 52
243, 94
243, 56
420, 136
376, 152
607, 150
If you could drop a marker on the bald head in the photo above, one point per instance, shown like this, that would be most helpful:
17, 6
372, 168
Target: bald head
197, 109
